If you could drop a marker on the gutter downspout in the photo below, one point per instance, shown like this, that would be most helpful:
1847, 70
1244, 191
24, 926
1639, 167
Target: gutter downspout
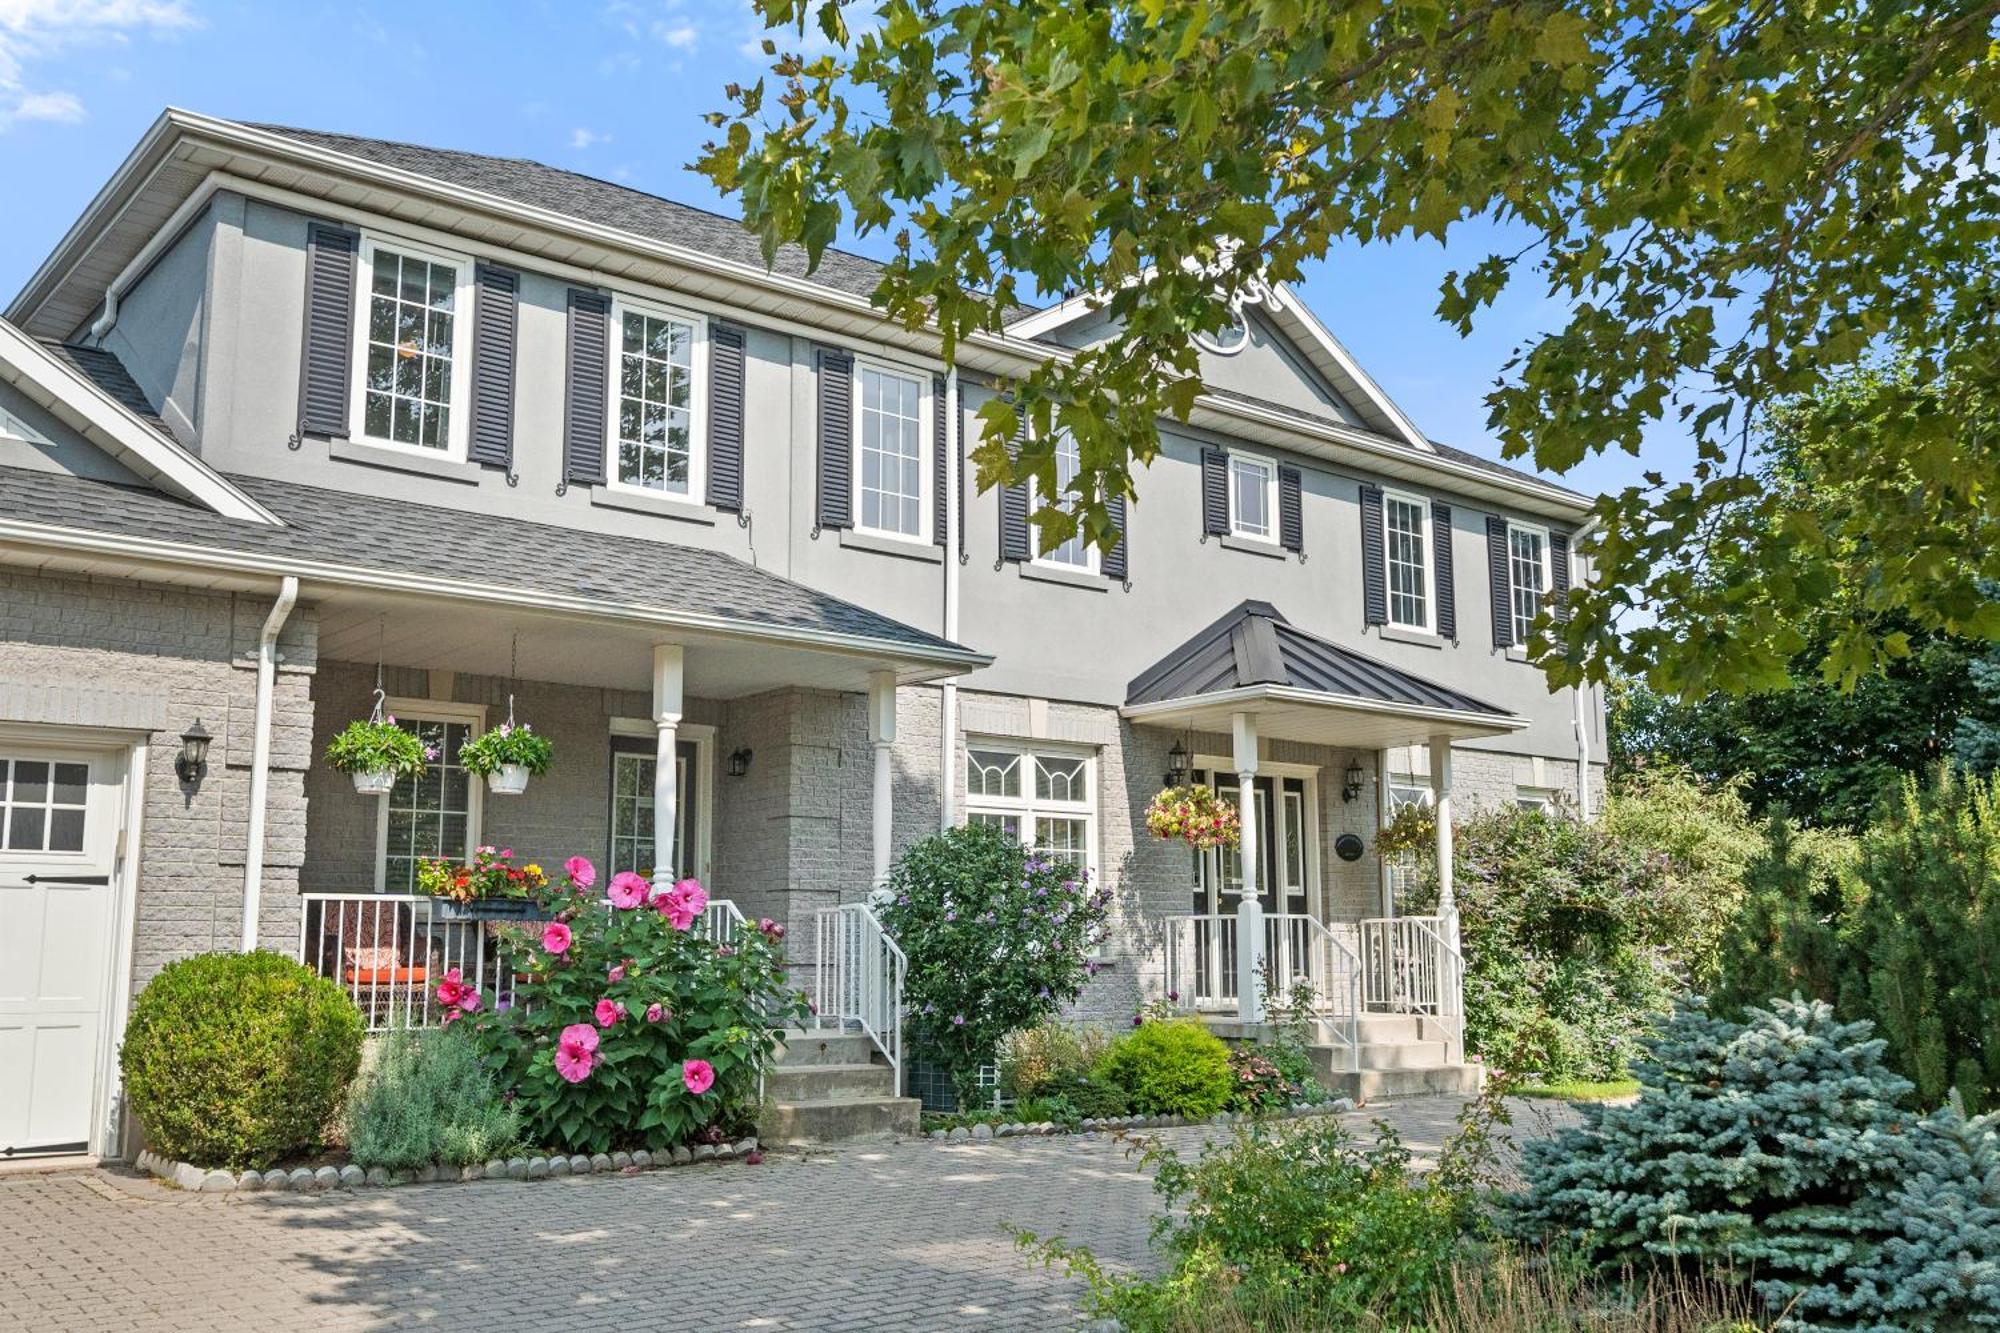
954, 494
260, 756
163, 239
1580, 722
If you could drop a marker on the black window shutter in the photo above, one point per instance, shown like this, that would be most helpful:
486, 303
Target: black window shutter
1447, 580
1116, 564
1291, 519
1374, 564
725, 417
1499, 575
1559, 572
1014, 507
1214, 493
836, 439
327, 362
496, 315
584, 422
940, 462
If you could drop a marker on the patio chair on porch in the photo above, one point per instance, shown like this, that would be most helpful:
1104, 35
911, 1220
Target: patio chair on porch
385, 962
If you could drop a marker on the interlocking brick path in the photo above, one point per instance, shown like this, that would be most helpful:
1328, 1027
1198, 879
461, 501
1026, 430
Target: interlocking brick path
904, 1236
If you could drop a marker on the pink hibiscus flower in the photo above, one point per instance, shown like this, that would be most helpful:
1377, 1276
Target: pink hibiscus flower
655, 1012
470, 1004
556, 937
699, 1075
451, 990
580, 871
576, 1052
616, 973
609, 1011
685, 902
627, 890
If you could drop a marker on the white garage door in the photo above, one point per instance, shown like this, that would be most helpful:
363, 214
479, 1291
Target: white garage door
59, 815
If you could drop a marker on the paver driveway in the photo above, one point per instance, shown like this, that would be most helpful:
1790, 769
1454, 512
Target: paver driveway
905, 1237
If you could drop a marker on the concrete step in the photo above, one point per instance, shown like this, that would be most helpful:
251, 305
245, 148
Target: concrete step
817, 1082
1377, 1085
1401, 1054
839, 1120
827, 1046
1393, 1027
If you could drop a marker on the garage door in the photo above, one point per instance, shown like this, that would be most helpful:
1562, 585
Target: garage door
59, 813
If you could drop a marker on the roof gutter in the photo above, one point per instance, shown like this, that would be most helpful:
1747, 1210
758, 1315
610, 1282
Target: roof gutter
163, 240
1291, 694
260, 756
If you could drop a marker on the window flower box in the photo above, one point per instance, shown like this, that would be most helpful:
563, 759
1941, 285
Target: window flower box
507, 757
491, 888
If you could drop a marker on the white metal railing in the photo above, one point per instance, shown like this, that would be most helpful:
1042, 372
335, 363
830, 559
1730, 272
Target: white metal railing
389, 951
1410, 965
858, 975
1203, 970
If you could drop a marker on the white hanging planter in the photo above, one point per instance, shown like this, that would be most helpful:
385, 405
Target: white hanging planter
374, 782
508, 780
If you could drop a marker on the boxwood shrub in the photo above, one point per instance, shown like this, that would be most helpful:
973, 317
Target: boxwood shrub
1171, 1067
239, 1060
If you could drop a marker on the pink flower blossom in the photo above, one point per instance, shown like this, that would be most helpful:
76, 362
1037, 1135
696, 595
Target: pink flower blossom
451, 990
507, 854
470, 1004
616, 974
576, 1052
580, 871
699, 1075
683, 903
556, 937
609, 1011
627, 890
655, 1012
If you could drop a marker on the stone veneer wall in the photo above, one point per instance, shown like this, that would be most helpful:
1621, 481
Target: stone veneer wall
168, 656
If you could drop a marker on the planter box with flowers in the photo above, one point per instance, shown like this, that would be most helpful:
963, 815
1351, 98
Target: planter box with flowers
375, 752
507, 757
491, 888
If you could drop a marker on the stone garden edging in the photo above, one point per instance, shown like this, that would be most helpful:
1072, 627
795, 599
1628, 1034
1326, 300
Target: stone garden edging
308, 1180
1094, 1124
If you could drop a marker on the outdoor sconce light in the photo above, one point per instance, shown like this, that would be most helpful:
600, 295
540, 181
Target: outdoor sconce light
1351, 788
191, 764
739, 762
1177, 766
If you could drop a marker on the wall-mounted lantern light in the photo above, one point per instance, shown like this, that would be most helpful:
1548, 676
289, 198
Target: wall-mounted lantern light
1177, 766
191, 764
1351, 788
739, 762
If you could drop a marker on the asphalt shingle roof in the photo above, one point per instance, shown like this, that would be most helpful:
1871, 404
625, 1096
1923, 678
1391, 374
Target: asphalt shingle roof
395, 536
108, 373
1254, 645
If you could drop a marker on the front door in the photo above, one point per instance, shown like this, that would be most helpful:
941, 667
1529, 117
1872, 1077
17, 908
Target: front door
1285, 864
59, 816
634, 761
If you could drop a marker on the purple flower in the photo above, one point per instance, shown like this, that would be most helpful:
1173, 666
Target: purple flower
958, 1020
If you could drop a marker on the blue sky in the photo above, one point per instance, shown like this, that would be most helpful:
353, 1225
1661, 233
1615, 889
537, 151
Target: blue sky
613, 89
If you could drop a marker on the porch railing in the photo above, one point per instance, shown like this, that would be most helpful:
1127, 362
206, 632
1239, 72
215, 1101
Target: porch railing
1203, 969
1411, 966
389, 951
859, 971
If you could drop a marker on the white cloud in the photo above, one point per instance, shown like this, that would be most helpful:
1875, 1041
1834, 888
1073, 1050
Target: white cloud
33, 31
679, 34
582, 138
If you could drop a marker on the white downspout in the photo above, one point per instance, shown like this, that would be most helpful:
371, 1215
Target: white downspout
260, 756
948, 719
163, 237
1581, 695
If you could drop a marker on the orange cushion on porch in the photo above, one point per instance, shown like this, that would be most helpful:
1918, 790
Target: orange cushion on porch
382, 976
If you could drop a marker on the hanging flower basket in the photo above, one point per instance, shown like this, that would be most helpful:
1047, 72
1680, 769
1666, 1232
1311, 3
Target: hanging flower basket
507, 757
1196, 816
375, 752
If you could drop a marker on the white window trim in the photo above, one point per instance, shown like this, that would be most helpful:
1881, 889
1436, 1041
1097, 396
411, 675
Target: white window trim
1215, 766
925, 451
697, 491
703, 736
1091, 555
1528, 797
432, 710
1548, 571
461, 348
1424, 517
1025, 807
1270, 466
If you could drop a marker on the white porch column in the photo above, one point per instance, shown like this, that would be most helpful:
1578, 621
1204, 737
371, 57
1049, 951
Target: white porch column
882, 735
667, 705
1441, 807
1249, 910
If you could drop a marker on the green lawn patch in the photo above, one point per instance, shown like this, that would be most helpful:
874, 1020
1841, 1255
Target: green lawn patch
1578, 1091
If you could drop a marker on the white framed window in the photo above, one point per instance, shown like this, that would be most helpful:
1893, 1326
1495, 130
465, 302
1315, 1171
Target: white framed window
44, 801
1076, 553
658, 423
1047, 798
413, 347
1406, 540
1536, 798
1253, 509
892, 482
1401, 871
437, 812
1527, 575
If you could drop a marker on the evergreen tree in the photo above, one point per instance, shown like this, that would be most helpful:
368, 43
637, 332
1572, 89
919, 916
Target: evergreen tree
1788, 937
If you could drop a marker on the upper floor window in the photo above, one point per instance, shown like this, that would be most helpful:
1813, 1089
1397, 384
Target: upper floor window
656, 430
1528, 575
414, 347
1075, 553
1251, 510
891, 483
1406, 529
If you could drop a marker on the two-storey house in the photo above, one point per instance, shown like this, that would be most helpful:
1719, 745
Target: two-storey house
295, 425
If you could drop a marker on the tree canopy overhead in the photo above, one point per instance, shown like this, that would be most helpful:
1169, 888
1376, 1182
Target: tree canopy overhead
1732, 201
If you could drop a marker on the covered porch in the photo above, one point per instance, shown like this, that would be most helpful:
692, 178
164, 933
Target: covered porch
1253, 943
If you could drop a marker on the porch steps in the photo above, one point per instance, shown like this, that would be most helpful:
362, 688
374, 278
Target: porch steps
1401, 1056
831, 1087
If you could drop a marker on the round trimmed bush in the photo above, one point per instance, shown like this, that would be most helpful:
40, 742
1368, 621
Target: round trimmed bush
238, 1060
1171, 1067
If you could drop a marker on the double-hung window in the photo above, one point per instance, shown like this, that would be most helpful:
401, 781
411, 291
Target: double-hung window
413, 338
1252, 511
1076, 552
1045, 798
435, 813
891, 434
1406, 532
656, 431
1527, 575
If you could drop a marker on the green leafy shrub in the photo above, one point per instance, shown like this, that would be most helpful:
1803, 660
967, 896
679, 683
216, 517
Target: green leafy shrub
428, 1098
997, 939
1174, 1067
1259, 1084
629, 1028
1789, 936
1048, 1058
238, 1060
1097, 1097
